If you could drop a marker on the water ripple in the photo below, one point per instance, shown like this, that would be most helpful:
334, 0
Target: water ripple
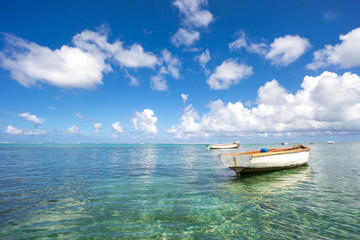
173, 191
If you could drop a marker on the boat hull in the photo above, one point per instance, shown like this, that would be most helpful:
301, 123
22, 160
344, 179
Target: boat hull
263, 162
223, 146
241, 170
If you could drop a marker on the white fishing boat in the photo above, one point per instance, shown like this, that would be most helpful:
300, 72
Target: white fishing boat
284, 143
266, 159
331, 142
223, 146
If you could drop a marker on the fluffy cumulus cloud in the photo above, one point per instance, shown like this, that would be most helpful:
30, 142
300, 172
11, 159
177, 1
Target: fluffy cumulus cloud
193, 13
343, 55
170, 65
193, 16
281, 52
189, 125
203, 59
328, 102
158, 82
97, 43
145, 121
117, 127
31, 118
287, 49
79, 66
184, 97
240, 42
227, 74
185, 37
73, 130
68, 67
11, 130
97, 127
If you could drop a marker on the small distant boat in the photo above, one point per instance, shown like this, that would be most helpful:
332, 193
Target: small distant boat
284, 143
331, 142
223, 146
266, 159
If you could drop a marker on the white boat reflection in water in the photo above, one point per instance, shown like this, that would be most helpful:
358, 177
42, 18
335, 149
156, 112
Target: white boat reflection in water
271, 182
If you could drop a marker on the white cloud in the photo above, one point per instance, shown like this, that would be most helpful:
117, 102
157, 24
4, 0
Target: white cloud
78, 115
159, 83
184, 97
81, 66
328, 102
73, 130
189, 127
133, 80
258, 48
193, 12
117, 126
13, 130
331, 15
193, 16
203, 59
185, 37
132, 57
34, 132
239, 43
31, 118
287, 49
343, 55
28, 132
170, 65
145, 121
281, 52
67, 67
97, 127
227, 74
135, 57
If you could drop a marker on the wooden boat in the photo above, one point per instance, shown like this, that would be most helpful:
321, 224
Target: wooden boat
266, 159
223, 146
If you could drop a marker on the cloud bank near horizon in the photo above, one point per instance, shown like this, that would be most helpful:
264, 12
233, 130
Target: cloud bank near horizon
325, 102
328, 102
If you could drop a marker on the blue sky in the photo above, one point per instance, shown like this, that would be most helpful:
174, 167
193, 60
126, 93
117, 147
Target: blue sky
183, 71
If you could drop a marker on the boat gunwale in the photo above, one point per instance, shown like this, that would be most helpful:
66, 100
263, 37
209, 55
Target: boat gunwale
273, 151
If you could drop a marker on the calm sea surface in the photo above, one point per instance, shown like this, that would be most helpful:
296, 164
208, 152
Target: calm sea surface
174, 191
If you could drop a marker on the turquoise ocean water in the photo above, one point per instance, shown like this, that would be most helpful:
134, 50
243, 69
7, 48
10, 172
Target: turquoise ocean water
174, 192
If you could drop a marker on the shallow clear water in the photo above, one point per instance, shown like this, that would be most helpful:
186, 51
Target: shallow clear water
174, 191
